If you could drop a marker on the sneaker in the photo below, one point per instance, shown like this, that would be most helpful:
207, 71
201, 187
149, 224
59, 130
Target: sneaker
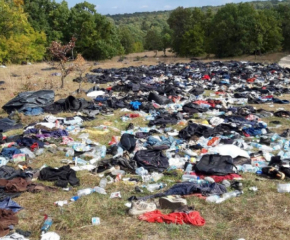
172, 202
237, 185
141, 207
273, 172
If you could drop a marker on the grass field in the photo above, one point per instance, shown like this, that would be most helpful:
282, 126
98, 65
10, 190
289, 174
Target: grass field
254, 215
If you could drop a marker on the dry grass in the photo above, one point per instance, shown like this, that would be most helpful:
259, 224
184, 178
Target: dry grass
260, 215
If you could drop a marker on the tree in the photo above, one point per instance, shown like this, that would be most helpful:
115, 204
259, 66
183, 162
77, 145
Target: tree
97, 36
166, 39
60, 52
284, 19
126, 39
179, 22
153, 40
193, 42
18, 40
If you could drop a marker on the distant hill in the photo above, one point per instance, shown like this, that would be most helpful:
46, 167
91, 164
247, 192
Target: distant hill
134, 18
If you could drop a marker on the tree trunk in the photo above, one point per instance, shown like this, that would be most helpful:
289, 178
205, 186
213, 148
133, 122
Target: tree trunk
62, 81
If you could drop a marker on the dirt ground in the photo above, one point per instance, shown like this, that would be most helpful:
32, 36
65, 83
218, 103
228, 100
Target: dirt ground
254, 215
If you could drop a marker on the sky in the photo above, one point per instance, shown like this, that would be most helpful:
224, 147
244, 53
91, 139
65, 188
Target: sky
131, 6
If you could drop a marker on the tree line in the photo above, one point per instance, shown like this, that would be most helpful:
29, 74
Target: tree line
27, 27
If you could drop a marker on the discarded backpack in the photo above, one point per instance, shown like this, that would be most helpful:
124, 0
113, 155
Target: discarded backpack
152, 160
215, 164
128, 142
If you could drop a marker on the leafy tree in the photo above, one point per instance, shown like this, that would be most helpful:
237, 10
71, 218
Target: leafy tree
193, 42
97, 36
284, 18
166, 39
153, 40
126, 39
179, 22
18, 40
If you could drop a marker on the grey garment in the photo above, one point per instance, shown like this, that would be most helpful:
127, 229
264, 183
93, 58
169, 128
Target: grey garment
7, 124
25, 100
91, 113
187, 188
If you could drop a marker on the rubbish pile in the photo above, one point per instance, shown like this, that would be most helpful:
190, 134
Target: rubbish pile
200, 129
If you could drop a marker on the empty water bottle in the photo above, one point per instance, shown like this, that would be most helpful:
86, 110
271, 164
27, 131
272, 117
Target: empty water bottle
103, 183
155, 186
229, 195
70, 153
103, 151
141, 171
188, 167
212, 198
46, 225
85, 191
274, 137
286, 145
100, 190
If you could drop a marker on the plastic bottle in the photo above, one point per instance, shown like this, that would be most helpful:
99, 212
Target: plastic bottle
103, 183
188, 167
46, 225
80, 161
286, 145
70, 128
249, 168
85, 191
141, 171
276, 147
274, 137
100, 190
74, 198
155, 186
103, 151
120, 152
70, 153
212, 198
188, 177
155, 177
229, 195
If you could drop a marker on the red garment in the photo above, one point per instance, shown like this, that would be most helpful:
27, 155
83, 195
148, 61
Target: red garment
206, 77
218, 179
34, 146
192, 218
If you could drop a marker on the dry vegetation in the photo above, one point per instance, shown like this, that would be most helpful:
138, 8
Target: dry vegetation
261, 215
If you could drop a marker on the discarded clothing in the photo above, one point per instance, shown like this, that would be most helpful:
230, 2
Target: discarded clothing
7, 218
62, 176
152, 160
14, 185
26, 100
6, 124
192, 218
9, 204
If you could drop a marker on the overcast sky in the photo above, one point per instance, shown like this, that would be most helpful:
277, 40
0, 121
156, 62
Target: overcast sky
131, 6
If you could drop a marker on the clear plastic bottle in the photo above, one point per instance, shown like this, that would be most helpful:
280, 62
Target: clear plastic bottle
100, 190
103, 151
103, 183
70, 153
229, 195
141, 171
286, 145
85, 191
212, 198
188, 167
155, 186
274, 137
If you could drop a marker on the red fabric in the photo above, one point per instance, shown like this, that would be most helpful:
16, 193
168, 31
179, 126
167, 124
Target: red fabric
251, 80
192, 218
34, 146
206, 77
218, 179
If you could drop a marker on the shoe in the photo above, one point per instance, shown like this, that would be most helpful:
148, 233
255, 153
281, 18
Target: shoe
172, 202
273, 173
141, 207
237, 185
130, 127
